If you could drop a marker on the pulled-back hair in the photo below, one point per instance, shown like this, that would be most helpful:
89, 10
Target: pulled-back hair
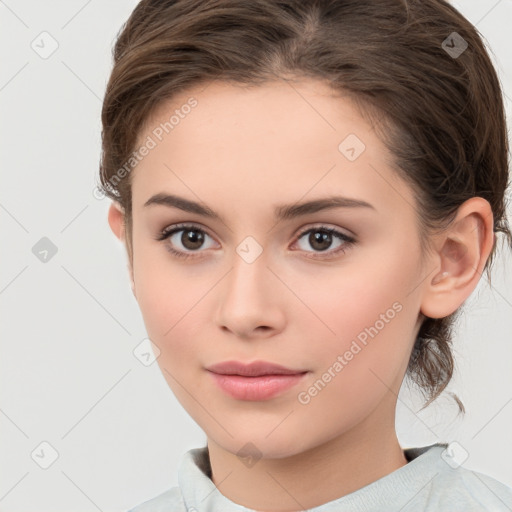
440, 114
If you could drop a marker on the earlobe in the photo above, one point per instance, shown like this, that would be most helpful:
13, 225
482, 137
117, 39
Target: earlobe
458, 264
116, 220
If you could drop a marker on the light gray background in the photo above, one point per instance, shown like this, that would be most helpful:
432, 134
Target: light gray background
69, 326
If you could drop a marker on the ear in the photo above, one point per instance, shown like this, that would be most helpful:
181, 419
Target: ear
116, 221
461, 252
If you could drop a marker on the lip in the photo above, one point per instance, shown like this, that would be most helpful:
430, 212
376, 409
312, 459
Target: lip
259, 380
254, 369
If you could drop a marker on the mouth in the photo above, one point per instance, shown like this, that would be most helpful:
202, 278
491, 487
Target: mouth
256, 381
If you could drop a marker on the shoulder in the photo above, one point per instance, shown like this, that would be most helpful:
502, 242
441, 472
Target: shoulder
192, 478
171, 499
464, 489
435, 481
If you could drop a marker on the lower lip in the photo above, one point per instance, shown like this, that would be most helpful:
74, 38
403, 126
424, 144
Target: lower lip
256, 388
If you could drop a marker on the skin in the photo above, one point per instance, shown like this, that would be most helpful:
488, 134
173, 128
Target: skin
242, 151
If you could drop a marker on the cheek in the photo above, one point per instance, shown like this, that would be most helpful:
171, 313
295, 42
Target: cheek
170, 311
367, 318
171, 301
355, 369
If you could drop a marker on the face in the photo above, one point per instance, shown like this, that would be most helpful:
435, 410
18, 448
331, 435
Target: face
247, 285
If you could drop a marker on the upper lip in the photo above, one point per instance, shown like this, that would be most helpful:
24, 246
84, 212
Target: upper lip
254, 369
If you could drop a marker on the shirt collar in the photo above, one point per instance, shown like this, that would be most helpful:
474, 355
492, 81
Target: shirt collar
201, 495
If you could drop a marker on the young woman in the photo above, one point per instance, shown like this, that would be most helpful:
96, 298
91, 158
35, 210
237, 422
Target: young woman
308, 192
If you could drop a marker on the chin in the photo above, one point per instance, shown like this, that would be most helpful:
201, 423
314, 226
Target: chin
251, 444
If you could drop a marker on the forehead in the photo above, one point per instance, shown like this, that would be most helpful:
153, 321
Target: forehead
270, 143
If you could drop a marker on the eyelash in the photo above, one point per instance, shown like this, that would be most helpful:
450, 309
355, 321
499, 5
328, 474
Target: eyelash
168, 232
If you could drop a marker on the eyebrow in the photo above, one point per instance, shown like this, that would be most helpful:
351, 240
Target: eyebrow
281, 212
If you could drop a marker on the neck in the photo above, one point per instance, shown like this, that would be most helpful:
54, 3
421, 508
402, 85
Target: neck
310, 478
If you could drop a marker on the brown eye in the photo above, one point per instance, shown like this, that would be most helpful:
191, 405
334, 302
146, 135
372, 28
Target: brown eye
192, 239
321, 239
185, 240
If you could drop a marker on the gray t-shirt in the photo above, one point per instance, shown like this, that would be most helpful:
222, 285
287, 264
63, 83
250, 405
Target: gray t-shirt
429, 482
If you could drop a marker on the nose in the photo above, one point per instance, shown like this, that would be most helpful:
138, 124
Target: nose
249, 299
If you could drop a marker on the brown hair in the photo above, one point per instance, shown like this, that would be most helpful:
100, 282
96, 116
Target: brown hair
441, 115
